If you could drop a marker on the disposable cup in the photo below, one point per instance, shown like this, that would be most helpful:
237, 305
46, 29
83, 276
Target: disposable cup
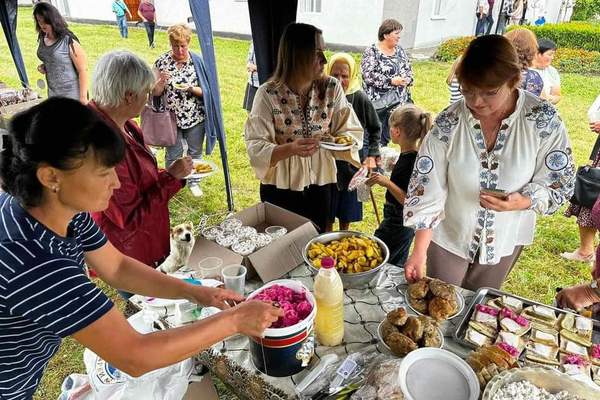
210, 268
234, 277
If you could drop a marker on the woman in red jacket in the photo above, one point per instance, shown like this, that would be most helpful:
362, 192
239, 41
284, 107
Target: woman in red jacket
137, 219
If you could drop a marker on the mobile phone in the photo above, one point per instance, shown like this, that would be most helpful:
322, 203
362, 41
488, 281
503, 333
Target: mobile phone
499, 193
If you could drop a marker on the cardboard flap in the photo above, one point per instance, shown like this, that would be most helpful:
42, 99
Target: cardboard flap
283, 255
207, 248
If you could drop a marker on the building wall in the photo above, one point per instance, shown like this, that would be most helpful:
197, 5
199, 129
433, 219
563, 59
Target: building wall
454, 20
406, 12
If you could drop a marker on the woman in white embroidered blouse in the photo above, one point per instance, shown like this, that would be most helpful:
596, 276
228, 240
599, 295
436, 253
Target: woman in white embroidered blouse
491, 161
289, 116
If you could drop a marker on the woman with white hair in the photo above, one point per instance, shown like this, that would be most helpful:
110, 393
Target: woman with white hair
137, 218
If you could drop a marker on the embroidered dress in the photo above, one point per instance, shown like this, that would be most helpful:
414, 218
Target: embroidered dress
188, 109
277, 118
532, 155
532, 82
378, 69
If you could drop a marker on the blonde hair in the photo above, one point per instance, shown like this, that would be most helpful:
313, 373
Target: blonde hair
179, 33
413, 121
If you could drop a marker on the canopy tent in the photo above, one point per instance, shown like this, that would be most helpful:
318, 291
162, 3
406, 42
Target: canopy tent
8, 18
268, 18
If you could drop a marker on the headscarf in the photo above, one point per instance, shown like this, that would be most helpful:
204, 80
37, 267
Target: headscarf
354, 84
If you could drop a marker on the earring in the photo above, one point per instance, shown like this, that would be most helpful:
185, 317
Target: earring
55, 189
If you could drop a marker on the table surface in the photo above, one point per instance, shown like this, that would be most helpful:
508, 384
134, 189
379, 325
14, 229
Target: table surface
364, 309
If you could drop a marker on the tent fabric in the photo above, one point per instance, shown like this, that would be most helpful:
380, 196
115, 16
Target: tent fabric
201, 15
8, 18
268, 18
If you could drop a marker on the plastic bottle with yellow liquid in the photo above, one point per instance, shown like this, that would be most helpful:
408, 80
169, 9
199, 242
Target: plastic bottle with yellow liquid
329, 294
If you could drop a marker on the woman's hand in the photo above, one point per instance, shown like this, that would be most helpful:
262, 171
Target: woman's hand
42, 69
214, 297
595, 126
577, 297
399, 81
304, 147
161, 81
414, 268
251, 67
252, 317
181, 167
513, 202
378, 179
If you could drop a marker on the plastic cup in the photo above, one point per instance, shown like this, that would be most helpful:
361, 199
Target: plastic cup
234, 277
276, 231
210, 268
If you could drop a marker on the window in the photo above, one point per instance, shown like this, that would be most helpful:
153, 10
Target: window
441, 8
311, 6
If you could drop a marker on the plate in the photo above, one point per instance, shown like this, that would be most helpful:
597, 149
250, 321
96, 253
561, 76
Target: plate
337, 147
158, 302
195, 175
460, 301
548, 379
436, 374
380, 337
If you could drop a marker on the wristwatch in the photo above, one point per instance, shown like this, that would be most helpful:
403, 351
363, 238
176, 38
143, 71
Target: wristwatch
595, 287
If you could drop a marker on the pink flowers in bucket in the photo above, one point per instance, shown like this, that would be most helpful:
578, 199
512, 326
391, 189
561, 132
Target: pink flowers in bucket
295, 305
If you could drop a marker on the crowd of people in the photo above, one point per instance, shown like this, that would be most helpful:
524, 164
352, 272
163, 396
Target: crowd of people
466, 186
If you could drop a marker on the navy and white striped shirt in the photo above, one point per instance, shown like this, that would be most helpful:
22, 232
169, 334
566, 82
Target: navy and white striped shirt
45, 294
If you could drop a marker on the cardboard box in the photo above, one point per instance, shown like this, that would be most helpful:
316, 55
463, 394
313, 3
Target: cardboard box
276, 259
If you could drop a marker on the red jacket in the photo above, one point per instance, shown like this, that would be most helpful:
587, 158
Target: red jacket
137, 218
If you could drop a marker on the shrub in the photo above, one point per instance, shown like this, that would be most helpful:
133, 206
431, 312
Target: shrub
574, 60
575, 35
585, 10
449, 50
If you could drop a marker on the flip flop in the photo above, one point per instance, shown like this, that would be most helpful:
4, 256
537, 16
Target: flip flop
577, 256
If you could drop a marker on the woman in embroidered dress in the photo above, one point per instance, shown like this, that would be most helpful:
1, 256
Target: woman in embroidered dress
289, 116
525, 43
387, 74
491, 161
177, 72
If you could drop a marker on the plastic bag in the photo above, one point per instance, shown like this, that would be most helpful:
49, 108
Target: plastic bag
76, 387
108, 383
389, 157
363, 192
382, 382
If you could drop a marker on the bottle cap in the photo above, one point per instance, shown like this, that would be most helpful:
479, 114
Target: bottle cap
327, 262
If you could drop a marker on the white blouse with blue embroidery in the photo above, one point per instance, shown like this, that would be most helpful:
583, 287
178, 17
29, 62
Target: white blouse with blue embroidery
532, 155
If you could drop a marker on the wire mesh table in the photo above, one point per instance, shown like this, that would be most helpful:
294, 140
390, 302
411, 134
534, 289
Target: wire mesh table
364, 309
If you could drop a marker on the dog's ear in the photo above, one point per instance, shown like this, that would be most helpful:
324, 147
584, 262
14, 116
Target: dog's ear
190, 225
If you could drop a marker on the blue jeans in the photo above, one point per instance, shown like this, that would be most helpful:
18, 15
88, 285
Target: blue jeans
384, 115
122, 24
481, 25
150, 32
194, 137
395, 235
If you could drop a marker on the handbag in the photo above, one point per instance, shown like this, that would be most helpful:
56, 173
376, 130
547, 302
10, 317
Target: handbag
587, 186
388, 99
159, 125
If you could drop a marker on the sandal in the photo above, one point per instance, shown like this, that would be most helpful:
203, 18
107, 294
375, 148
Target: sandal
577, 256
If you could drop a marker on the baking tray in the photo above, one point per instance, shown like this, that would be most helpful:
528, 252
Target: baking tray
486, 293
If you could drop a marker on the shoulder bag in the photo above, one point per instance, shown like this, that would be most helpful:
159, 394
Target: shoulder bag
159, 125
587, 186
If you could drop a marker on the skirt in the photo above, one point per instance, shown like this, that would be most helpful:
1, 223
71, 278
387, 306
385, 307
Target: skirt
314, 202
249, 97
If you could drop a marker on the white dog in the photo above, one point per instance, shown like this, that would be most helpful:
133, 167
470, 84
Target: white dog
182, 243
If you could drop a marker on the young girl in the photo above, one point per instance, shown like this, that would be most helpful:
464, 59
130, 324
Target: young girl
408, 126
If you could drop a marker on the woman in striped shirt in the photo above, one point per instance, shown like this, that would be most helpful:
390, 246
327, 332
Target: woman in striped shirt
56, 167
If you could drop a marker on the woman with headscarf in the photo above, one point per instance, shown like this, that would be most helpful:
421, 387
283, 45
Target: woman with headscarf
346, 206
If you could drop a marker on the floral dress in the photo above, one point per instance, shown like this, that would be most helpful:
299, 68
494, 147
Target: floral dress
188, 109
378, 69
583, 214
532, 155
532, 82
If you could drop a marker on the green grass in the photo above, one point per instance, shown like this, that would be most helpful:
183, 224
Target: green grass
538, 272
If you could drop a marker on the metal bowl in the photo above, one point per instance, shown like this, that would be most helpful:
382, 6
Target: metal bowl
356, 279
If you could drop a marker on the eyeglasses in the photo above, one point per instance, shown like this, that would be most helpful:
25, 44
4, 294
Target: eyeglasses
485, 94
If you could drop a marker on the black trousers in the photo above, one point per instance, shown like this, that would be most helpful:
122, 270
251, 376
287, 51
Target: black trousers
314, 202
395, 235
150, 32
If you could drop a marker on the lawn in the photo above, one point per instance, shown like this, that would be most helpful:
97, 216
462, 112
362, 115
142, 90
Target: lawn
539, 271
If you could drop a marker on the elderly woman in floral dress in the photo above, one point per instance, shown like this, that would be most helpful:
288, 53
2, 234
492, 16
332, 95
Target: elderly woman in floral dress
387, 74
490, 163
